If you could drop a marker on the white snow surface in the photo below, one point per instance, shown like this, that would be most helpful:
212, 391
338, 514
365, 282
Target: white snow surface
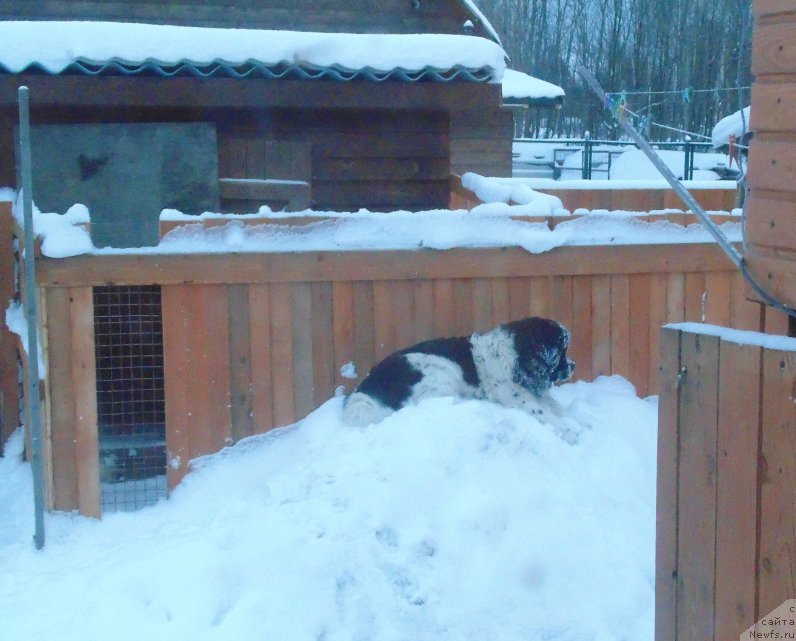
487, 225
736, 124
517, 84
17, 324
633, 164
55, 45
449, 520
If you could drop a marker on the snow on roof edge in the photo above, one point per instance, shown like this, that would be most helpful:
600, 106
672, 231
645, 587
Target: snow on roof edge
522, 86
55, 45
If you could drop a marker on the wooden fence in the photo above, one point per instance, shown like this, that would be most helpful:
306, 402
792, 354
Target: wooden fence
9, 387
726, 483
638, 200
254, 341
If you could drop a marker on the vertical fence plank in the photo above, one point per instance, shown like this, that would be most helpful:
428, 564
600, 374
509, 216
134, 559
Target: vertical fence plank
481, 305
620, 326
240, 366
84, 382
667, 488
443, 307
746, 314
282, 354
541, 303
501, 306
9, 406
303, 366
736, 496
695, 298
364, 327
323, 364
261, 357
601, 325
581, 348
462, 307
343, 329
64, 466
402, 302
697, 487
657, 319
562, 304
519, 297
209, 426
384, 331
177, 370
675, 298
777, 496
639, 332
719, 299
423, 323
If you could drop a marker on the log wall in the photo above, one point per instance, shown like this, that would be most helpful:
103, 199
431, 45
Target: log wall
771, 227
726, 484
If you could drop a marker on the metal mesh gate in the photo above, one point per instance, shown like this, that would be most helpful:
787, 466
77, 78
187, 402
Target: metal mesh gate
130, 398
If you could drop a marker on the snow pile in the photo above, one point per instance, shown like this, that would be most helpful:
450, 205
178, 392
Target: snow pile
521, 86
62, 235
491, 190
736, 124
449, 520
56, 45
17, 324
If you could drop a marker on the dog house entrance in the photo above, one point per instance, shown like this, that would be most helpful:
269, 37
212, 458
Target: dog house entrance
130, 398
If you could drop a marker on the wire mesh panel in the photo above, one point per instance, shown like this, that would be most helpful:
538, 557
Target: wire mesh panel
130, 398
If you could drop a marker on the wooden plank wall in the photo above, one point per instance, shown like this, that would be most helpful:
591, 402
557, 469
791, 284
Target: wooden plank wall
382, 160
771, 228
9, 388
481, 140
642, 200
726, 485
257, 341
351, 16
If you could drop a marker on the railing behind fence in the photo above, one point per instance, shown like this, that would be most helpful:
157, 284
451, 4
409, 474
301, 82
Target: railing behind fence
597, 156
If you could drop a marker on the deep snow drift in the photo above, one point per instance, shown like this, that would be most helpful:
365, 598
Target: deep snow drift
449, 520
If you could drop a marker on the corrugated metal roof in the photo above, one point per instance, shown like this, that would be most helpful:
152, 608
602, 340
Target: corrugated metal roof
256, 69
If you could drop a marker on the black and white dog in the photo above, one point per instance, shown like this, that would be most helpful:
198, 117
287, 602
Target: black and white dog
515, 365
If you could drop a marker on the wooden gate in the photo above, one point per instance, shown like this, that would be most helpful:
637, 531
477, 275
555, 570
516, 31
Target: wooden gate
726, 481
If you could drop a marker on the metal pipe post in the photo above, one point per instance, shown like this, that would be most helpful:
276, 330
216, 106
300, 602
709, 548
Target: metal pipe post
33, 421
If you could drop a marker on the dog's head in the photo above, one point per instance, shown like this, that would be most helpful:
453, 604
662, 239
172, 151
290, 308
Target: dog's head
541, 346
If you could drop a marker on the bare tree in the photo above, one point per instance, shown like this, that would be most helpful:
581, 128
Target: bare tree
681, 63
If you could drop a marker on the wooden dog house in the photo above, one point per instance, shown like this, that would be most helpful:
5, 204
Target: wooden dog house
290, 138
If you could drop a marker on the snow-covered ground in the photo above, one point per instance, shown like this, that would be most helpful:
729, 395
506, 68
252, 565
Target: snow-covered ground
450, 520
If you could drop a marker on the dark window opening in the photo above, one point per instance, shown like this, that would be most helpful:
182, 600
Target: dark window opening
131, 404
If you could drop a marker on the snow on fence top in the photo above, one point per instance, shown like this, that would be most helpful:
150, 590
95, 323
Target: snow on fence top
54, 46
495, 224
